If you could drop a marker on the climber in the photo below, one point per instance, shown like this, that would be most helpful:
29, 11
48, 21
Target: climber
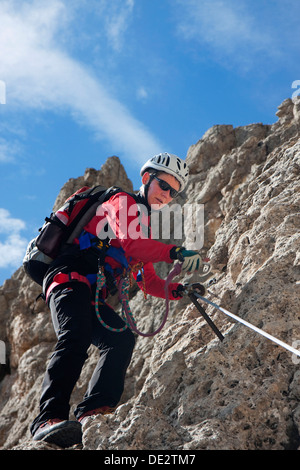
69, 288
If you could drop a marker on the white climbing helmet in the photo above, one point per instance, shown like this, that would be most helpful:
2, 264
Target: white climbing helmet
171, 164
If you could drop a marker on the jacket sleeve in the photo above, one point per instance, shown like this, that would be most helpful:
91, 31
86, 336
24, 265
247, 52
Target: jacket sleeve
153, 284
122, 214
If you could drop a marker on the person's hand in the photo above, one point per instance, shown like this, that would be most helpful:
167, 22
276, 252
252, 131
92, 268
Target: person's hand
191, 260
178, 292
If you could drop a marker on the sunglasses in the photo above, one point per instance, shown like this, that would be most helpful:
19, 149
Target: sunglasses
166, 187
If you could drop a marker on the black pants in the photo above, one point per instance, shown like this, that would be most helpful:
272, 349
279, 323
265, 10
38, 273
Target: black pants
77, 327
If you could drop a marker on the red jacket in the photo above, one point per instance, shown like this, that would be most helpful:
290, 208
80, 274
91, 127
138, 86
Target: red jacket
130, 227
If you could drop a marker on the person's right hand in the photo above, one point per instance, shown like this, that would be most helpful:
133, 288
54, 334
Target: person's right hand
191, 260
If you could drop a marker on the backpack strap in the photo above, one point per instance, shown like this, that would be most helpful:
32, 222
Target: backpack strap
76, 226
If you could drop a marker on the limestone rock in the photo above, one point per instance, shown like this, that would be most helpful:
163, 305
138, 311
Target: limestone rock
185, 389
112, 173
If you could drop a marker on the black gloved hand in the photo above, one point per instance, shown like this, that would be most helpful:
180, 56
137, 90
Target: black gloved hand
179, 292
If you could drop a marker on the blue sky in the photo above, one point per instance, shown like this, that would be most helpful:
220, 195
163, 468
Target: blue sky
83, 80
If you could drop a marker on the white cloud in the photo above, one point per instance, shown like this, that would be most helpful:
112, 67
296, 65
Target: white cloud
117, 22
8, 151
12, 244
39, 74
142, 94
239, 33
12, 251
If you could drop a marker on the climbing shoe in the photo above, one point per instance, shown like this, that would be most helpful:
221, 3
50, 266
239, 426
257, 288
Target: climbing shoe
103, 410
62, 433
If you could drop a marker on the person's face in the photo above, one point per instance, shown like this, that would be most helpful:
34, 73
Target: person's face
156, 195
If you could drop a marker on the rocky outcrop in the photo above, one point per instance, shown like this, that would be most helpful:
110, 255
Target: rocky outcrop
185, 389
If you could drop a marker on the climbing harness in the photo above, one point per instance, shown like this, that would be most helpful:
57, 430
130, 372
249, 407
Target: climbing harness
123, 289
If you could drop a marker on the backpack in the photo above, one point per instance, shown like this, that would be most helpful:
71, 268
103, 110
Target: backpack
62, 227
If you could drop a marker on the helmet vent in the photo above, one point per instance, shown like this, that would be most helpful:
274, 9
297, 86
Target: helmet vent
170, 164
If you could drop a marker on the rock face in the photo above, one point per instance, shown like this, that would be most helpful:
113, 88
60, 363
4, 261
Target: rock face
185, 389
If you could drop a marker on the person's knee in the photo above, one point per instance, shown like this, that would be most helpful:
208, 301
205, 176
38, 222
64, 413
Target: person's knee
131, 339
